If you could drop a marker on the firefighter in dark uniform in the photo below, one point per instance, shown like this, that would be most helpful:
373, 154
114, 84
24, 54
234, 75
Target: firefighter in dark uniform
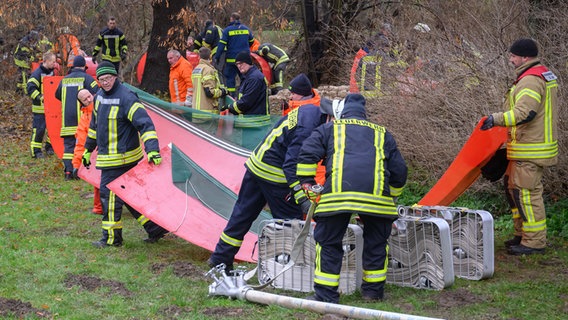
270, 178
252, 106
35, 91
24, 55
213, 34
112, 44
118, 123
365, 172
278, 58
67, 92
236, 38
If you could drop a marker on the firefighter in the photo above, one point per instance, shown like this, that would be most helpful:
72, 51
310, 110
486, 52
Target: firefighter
278, 59
112, 44
24, 55
252, 106
118, 124
365, 172
531, 114
67, 47
66, 92
270, 177
236, 38
35, 91
85, 97
212, 35
299, 86
207, 87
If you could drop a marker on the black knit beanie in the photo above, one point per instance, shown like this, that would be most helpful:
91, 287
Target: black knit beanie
301, 85
244, 56
524, 48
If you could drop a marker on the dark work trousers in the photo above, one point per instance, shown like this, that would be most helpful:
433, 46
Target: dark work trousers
253, 196
116, 64
112, 210
328, 234
68, 149
38, 133
230, 72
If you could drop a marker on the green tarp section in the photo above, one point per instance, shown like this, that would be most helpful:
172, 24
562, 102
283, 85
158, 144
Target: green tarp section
198, 184
219, 126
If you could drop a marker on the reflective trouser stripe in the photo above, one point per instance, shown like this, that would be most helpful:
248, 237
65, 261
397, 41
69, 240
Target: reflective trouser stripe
326, 279
231, 241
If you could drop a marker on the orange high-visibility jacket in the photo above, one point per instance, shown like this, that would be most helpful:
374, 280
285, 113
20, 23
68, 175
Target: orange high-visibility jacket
180, 80
81, 135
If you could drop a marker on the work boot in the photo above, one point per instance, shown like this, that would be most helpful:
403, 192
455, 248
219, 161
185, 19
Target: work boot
523, 250
515, 241
155, 238
102, 244
49, 152
212, 264
68, 176
38, 155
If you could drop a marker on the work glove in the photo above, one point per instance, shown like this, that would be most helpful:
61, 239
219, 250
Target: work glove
305, 205
307, 187
123, 56
188, 102
154, 157
87, 158
224, 92
487, 124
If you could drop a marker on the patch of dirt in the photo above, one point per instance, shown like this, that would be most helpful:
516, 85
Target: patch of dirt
460, 297
93, 283
181, 269
20, 309
224, 312
175, 312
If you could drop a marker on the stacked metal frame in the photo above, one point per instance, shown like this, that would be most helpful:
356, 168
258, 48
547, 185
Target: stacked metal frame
420, 253
275, 244
471, 235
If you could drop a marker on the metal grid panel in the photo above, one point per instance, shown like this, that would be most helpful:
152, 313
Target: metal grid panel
420, 253
275, 245
471, 235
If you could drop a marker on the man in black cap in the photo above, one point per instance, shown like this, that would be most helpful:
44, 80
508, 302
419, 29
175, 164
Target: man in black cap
301, 93
67, 92
531, 114
252, 105
118, 123
365, 172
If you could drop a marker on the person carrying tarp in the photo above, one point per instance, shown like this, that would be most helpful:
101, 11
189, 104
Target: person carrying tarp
66, 92
365, 172
270, 177
207, 87
118, 124
35, 91
67, 47
278, 59
252, 106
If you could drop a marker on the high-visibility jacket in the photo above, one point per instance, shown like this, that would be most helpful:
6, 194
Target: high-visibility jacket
118, 123
81, 135
35, 87
531, 113
272, 54
293, 104
180, 80
275, 158
206, 90
24, 53
364, 168
236, 37
67, 92
67, 48
252, 106
211, 38
111, 43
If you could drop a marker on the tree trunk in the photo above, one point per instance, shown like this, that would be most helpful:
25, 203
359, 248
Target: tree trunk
167, 32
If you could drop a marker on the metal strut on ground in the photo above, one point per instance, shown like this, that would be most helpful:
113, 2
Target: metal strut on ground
235, 287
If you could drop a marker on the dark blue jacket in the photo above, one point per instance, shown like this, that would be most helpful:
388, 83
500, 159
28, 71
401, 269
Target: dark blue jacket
364, 168
118, 118
66, 92
35, 87
236, 38
253, 101
275, 158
